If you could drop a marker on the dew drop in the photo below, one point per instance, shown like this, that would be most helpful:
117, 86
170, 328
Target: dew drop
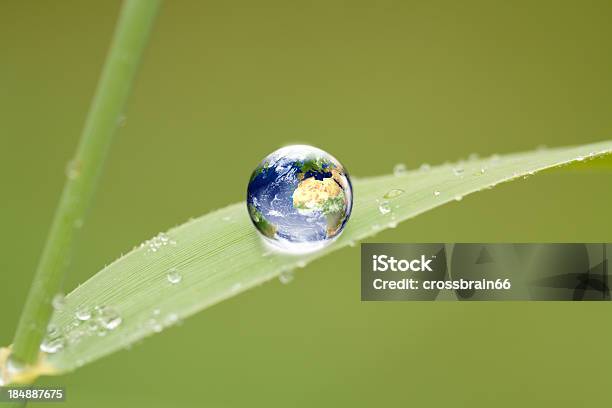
458, 197
394, 193
425, 167
58, 301
384, 207
155, 325
436, 193
236, 287
580, 158
286, 277
156, 312
171, 319
92, 326
399, 169
227, 218
158, 242
83, 314
52, 331
108, 318
52, 345
392, 224
457, 171
174, 276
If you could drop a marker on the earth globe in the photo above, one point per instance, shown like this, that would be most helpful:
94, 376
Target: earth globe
299, 198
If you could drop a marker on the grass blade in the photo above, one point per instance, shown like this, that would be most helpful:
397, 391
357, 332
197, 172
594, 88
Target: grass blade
220, 254
130, 38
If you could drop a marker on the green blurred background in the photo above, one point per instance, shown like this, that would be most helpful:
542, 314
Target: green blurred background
374, 83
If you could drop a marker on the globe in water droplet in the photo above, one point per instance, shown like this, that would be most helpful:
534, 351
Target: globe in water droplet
299, 198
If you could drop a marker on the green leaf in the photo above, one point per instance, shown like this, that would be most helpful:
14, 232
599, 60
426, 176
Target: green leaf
220, 254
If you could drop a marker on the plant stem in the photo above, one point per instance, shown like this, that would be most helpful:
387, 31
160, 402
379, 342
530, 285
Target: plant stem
129, 40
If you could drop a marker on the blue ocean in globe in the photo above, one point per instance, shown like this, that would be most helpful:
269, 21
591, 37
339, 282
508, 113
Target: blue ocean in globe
299, 198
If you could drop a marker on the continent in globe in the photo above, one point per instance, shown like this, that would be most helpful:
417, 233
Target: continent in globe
299, 198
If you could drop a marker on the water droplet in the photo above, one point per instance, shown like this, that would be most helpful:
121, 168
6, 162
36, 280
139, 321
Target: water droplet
483, 170
83, 314
436, 193
457, 171
108, 318
301, 263
174, 276
52, 345
392, 224
286, 277
383, 207
425, 167
158, 242
236, 287
58, 301
92, 326
580, 158
73, 169
171, 319
155, 325
226, 218
52, 330
156, 312
399, 169
394, 193
458, 197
